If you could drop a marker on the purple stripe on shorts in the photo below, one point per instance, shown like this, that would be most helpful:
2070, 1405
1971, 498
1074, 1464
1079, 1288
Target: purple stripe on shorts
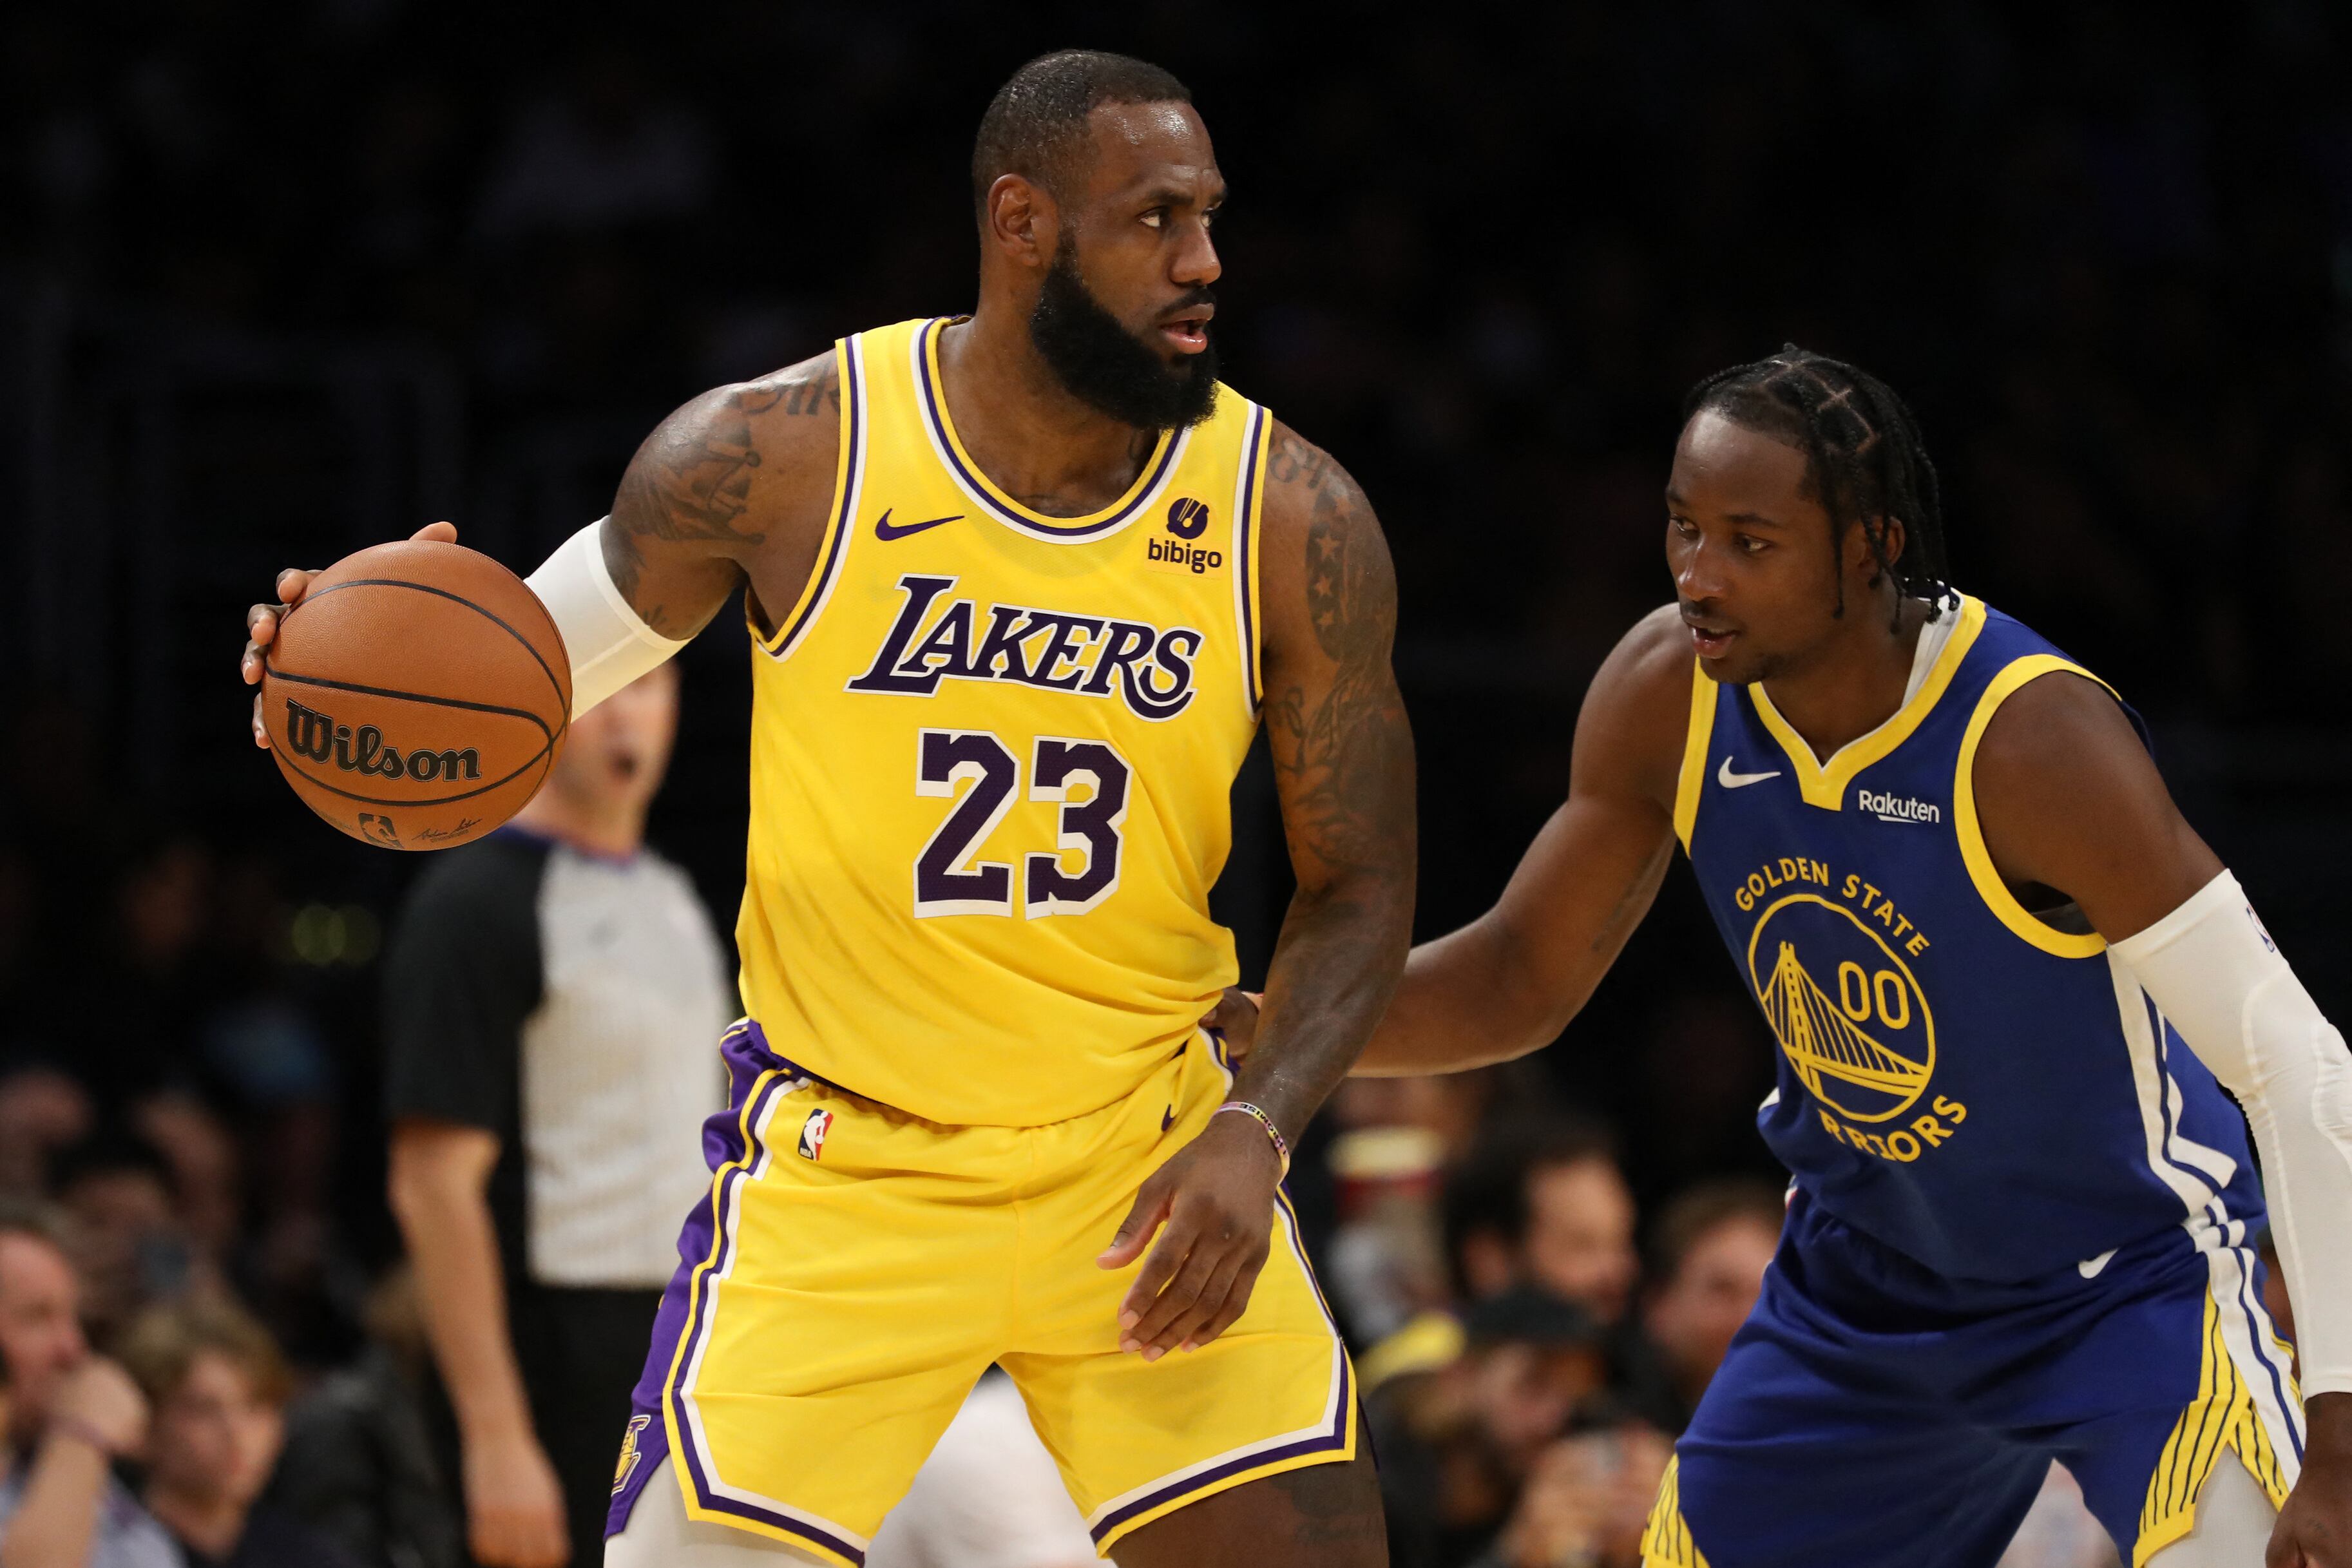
729, 1144
1322, 1442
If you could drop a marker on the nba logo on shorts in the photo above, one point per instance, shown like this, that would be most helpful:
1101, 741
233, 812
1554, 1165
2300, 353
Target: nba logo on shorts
812, 1132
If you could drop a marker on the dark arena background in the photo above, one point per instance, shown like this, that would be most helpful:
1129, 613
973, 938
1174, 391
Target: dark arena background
277, 282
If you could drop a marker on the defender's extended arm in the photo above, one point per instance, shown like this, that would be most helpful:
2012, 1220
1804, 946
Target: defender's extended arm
1508, 983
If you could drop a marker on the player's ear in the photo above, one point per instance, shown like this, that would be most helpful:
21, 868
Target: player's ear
1020, 220
1891, 537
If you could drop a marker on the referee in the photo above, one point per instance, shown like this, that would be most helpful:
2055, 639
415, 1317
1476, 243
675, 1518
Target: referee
553, 999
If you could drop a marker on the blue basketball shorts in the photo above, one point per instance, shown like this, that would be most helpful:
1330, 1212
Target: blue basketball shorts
1871, 1411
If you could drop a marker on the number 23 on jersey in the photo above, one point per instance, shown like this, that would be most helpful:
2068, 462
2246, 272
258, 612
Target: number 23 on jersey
1088, 777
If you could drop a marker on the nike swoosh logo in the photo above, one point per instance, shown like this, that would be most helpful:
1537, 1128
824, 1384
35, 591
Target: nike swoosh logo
1168, 1119
883, 529
1730, 780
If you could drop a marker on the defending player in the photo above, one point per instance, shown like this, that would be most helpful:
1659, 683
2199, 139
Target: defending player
1025, 585
1946, 867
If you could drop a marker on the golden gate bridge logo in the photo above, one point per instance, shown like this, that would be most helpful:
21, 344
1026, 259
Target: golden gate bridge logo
1864, 1045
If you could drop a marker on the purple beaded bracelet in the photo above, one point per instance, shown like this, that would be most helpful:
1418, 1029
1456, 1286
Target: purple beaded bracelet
1281, 1145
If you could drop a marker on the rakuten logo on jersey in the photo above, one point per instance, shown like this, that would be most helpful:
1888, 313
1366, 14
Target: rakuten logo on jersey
1898, 807
938, 638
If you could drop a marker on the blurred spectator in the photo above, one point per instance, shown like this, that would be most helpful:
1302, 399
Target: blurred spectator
128, 1244
42, 1111
1457, 1443
553, 1000
218, 1388
360, 1465
1708, 1252
70, 1415
1586, 1501
1543, 1202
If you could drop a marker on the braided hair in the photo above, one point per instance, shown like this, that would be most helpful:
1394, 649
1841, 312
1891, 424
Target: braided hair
1864, 461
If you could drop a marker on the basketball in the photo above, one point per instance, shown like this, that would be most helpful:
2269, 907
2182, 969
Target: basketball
417, 695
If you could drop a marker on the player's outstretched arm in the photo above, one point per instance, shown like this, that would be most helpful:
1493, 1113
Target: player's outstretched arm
734, 485
1344, 770
2070, 801
1508, 983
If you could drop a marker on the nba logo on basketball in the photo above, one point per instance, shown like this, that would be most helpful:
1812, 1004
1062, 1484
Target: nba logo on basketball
812, 1132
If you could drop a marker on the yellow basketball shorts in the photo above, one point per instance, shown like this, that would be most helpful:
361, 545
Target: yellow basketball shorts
854, 1269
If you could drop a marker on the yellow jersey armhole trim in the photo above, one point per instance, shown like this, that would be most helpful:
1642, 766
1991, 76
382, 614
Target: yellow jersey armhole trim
1705, 694
841, 507
1981, 871
1826, 786
1249, 508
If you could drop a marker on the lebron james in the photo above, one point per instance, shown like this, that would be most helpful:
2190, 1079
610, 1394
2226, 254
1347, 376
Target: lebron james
1024, 584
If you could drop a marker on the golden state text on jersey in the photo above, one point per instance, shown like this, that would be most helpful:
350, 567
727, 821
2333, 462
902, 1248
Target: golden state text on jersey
1970, 1085
990, 764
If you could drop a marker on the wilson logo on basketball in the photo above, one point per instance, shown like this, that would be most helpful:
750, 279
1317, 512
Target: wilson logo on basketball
320, 738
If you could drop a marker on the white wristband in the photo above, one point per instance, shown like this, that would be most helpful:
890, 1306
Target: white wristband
610, 644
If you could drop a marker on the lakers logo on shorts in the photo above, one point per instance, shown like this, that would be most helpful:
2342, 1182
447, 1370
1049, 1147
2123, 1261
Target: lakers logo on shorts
1846, 1009
630, 1452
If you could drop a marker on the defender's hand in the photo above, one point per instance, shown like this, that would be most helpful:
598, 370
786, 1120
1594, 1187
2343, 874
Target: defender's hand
514, 1505
261, 620
1234, 1021
2314, 1528
1215, 1196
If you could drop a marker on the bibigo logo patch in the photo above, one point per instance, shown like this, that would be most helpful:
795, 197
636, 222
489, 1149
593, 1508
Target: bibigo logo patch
1188, 519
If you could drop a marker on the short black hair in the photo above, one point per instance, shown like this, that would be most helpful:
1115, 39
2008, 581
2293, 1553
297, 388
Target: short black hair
1864, 460
1037, 124
1487, 1194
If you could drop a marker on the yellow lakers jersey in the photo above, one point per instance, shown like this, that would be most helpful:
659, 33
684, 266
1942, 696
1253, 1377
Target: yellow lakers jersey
992, 753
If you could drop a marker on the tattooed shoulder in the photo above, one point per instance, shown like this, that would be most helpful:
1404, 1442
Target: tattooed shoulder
1334, 723
1350, 581
714, 474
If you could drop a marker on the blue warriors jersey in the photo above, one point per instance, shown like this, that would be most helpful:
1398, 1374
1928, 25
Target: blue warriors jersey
1972, 1086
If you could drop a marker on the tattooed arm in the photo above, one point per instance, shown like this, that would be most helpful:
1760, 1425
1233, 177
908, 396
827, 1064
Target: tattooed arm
1344, 769
1508, 983
734, 486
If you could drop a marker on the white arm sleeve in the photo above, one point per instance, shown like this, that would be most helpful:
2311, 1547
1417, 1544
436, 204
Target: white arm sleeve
2215, 972
610, 646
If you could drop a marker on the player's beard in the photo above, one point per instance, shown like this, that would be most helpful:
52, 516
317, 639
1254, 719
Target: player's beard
1109, 369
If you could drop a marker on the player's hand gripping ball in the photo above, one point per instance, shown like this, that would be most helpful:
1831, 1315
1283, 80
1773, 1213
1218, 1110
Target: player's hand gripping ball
417, 694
